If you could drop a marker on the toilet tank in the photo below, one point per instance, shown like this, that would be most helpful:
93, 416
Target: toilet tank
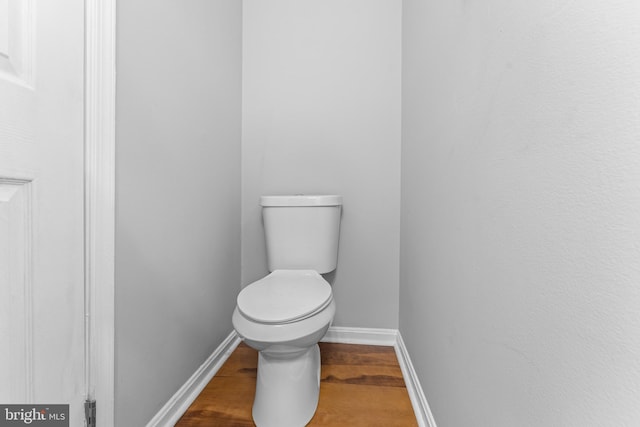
302, 231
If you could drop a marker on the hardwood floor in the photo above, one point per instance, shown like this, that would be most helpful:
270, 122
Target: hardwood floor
361, 385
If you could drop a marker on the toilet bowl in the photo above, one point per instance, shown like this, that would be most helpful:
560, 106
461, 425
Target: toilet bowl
283, 316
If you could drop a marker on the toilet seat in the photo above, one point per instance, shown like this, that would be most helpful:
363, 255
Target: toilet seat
285, 296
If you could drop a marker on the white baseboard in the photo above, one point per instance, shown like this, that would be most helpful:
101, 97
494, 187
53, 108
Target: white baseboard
365, 336
418, 399
184, 397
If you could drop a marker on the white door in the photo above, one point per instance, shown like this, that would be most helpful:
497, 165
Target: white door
41, 203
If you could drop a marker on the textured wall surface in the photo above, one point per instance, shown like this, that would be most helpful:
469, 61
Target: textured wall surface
321, 114
178, 194
520, 253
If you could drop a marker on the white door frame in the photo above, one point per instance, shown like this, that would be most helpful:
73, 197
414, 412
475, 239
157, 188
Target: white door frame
100, 31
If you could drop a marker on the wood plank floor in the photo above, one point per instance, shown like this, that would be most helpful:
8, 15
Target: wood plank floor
361, 385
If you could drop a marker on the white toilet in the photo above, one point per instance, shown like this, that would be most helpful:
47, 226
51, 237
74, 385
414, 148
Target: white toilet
286, 313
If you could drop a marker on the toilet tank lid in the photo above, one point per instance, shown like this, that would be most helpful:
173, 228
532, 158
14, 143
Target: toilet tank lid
301, 200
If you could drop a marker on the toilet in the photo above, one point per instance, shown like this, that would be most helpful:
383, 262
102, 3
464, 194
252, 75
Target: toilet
286, 313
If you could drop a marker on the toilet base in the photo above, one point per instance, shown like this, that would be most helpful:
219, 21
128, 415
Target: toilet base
287, 388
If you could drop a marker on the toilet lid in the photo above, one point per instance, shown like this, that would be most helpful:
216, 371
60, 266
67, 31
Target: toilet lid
284, 296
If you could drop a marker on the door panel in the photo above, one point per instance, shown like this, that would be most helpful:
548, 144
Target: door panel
15, 290
41, 203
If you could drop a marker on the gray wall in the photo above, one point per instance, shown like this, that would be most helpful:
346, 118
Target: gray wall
520, 262
178, 194
321, 114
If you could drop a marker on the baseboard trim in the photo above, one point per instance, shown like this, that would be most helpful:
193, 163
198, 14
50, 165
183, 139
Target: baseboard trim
184, 397
418, 399
365, 336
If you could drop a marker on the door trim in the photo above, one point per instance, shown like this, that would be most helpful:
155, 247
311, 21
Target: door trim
100, 79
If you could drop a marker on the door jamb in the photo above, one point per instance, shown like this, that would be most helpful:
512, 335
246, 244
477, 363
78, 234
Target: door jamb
100, 78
